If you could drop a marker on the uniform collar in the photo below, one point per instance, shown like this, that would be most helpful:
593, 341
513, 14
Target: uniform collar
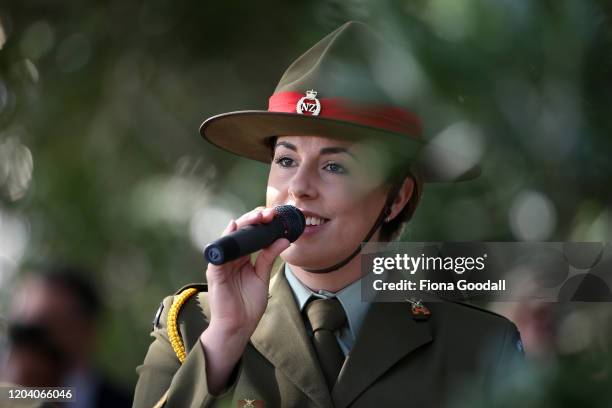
350, 298
389, 333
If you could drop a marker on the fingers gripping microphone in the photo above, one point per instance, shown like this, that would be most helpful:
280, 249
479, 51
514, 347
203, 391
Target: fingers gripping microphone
288, 222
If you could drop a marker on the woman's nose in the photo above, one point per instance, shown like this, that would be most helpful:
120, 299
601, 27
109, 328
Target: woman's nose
303, 184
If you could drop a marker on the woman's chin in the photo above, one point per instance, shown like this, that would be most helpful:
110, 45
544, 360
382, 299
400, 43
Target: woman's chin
307, 257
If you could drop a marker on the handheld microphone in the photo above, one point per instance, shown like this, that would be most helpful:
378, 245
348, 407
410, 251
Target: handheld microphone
288, 222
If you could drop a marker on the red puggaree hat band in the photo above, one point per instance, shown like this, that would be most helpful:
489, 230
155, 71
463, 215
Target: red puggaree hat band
390, 118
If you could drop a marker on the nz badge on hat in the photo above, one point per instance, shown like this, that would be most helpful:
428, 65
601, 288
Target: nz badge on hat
309, 104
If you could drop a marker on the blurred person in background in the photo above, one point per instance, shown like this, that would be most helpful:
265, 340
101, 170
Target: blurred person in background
32, 359
302, 335
61, 303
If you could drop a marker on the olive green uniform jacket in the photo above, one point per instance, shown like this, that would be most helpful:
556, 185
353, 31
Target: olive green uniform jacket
397, 360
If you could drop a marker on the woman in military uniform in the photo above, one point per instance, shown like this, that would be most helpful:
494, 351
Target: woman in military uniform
299, 335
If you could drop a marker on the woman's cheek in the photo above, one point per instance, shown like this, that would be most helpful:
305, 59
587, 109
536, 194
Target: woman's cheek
273, 196
347, 198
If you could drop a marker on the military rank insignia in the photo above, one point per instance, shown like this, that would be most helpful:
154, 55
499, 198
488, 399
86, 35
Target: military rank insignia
250, 403
418, 310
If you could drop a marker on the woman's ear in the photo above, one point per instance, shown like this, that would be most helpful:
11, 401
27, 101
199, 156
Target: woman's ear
402, 197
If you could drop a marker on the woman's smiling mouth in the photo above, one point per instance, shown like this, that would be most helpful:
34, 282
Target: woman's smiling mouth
314, 222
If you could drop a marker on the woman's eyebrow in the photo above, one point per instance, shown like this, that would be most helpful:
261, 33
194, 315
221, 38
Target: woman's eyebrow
335, 150
324, 150
287, 145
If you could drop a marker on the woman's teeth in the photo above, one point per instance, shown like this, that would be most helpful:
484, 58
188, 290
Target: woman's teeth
315, 221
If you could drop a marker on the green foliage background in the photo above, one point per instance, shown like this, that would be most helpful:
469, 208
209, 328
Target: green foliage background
101, 162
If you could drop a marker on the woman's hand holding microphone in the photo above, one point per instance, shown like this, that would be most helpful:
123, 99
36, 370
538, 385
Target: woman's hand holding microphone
238, 296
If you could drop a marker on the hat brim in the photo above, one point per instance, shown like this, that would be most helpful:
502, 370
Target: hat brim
248, 133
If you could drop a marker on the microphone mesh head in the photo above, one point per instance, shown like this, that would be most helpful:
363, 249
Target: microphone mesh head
293, 219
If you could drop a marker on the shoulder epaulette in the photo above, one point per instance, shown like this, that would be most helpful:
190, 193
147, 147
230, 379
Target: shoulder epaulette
182, 295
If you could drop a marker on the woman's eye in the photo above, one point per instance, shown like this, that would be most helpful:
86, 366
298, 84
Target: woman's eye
335, 168
284, 162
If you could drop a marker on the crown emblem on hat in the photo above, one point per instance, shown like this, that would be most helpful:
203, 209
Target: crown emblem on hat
309, 104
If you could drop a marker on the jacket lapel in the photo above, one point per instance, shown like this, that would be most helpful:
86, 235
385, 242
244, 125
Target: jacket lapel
388, 333
281, 338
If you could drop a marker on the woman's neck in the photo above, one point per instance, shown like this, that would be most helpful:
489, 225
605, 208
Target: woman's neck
331, 281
